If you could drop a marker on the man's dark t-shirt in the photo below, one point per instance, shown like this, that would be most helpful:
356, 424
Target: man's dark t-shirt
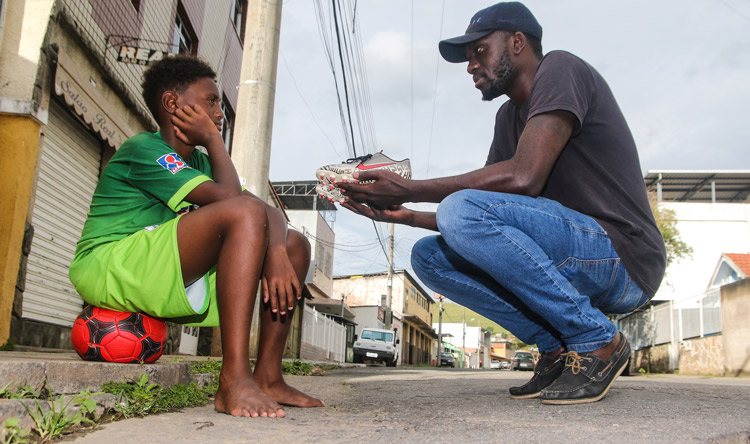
598, 172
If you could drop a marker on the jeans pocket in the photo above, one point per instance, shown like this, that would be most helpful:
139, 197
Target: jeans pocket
592, 278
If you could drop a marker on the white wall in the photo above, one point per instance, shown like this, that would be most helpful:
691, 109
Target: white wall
322, 239
710, 229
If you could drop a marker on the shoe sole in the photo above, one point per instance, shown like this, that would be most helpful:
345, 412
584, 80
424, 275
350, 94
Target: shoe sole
324, 193
588, 400
529, 396
328, 177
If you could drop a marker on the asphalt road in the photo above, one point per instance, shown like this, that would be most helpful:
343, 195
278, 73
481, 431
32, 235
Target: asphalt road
424, 405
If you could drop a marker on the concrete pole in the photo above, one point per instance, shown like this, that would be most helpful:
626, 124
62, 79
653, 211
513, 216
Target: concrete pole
440, 332
257, 90
389, 290
253, 124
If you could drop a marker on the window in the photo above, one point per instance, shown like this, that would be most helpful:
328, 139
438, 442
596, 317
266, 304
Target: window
237, 14
227, 125
184, 40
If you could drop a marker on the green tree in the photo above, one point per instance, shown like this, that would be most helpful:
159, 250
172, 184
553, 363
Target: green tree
666, 220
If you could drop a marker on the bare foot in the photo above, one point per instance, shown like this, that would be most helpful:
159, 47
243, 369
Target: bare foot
285, 394
242, 397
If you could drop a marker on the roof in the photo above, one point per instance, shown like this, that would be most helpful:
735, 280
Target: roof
742, 261
301, 195
700, 185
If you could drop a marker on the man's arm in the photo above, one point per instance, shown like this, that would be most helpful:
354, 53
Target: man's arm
525, 173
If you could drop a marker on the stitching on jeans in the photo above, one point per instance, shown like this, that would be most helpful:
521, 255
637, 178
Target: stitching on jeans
469, 285
544, 272
563, 220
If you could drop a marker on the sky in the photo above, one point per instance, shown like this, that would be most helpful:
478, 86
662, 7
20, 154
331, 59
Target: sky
680, 71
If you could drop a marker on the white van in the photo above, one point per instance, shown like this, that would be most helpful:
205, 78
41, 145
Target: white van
375, 344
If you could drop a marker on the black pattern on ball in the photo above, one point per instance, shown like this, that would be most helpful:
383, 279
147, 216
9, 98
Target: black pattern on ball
149, 348
98, 329
133, 324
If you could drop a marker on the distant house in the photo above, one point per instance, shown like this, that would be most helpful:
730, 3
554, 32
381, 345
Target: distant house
732, 267
694, 320
712, 210
410, 310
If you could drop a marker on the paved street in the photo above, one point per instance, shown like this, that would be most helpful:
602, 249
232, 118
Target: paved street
424, 405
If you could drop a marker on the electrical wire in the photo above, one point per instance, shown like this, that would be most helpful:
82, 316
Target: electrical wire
434, 95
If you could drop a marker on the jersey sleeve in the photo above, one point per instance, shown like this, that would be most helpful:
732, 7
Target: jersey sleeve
563, 83
155, 169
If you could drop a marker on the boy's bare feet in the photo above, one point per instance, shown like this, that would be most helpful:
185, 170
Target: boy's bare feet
242, 397
285, 394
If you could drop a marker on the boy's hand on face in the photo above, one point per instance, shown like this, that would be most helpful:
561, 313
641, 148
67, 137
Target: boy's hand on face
193, 126
281, 288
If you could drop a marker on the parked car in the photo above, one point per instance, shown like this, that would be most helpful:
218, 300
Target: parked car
504, 365
523, 361
495, 364
447, 360
375, 344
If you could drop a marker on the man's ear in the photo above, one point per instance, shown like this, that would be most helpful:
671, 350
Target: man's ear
169, 102
519, 42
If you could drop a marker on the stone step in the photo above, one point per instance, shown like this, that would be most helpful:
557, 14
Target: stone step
65, 374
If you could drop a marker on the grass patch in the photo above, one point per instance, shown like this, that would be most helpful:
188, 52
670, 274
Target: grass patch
133, 399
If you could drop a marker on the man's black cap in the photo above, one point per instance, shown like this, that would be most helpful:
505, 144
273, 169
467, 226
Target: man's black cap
507, 16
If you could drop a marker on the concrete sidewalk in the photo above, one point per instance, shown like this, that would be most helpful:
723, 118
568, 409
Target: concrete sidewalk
427, 405
408, 405
67, 374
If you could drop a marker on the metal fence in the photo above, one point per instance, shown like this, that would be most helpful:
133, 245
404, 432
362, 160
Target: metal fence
674, 321
318, 330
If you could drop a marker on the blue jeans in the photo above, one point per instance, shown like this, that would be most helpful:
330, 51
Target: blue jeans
542, 271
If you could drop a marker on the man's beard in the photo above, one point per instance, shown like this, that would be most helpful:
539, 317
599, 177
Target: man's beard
503, 76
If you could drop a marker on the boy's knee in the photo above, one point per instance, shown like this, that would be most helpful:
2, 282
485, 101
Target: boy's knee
297, 242
244, 210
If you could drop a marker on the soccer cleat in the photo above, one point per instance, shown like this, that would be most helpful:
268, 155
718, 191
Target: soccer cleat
330, 193
344, 172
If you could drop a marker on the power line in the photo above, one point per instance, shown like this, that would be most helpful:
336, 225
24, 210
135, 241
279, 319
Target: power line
434, 95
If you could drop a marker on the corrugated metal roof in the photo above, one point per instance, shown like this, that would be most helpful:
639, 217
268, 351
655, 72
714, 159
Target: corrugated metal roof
700, 185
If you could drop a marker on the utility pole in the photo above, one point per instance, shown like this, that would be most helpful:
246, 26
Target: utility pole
463, 339
253, 122
440, 332
389, 290
257, 91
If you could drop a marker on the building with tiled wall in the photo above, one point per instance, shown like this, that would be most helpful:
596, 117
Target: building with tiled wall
70, 96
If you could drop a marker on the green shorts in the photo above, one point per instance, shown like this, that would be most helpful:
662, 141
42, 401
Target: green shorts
142, 273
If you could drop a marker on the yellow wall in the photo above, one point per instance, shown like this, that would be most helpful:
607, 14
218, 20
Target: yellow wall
18, 151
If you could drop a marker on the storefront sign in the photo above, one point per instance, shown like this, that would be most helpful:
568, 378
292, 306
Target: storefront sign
88, 104
139, 56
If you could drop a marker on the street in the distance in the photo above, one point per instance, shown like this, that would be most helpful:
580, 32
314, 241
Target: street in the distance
427, 405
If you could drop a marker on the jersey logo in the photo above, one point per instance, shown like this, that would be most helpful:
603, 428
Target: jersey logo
171, 162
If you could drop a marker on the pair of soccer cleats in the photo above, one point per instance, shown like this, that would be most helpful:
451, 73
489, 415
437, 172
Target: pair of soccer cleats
330, 175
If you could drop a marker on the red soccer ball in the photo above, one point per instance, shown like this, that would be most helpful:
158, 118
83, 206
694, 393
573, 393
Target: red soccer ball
115, 336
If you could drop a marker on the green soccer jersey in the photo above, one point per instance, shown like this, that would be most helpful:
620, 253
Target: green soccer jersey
143, 185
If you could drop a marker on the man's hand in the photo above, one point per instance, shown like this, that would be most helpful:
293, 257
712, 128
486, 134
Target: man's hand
281, 288
193, 126
395, 214
389, 189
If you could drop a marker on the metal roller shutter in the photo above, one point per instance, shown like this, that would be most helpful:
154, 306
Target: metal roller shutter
68, 174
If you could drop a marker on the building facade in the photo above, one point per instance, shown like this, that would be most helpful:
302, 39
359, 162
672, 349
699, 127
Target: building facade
71, 95
411, 310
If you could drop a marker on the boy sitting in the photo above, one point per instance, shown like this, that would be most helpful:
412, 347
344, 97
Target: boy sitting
147, 247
